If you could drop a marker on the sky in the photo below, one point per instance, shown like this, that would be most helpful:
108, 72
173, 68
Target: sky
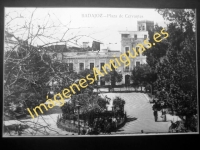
86, 24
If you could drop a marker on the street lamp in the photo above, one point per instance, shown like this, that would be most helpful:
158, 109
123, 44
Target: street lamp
78, 106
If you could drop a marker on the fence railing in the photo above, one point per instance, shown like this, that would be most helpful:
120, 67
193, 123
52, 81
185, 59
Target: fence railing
71, 126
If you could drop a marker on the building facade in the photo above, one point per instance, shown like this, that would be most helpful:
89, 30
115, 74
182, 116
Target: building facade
79, 61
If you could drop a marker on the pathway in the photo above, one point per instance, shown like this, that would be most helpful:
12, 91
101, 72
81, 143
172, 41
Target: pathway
140, 114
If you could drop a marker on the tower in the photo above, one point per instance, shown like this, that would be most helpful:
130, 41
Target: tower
145, 25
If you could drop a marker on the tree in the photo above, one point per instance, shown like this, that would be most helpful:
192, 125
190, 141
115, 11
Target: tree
90, 103
118, 105
113, 77
176, 64
28, 66
156, 52
136, 76
25, 74
143, 75
149, 77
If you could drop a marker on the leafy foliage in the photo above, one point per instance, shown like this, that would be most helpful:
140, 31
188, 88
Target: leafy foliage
27, 76
113, 77
88, 101
143, 75
118, 104
174, 61
157, 51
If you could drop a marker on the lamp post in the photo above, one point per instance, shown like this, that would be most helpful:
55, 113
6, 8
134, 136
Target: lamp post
78, 106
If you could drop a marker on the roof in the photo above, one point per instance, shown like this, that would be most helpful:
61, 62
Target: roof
91, 54
146, 21
131, 32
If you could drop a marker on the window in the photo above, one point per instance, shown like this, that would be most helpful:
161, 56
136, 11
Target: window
143, 28
102, 81
145, 37
81, 66
70, 66
127, 49
101, 65
135, 36
137, 63
91, 66
112, 66
126, 68
140, 27
127, 80
125, 35
137, 50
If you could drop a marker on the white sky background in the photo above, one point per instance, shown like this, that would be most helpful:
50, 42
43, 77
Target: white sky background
105, 29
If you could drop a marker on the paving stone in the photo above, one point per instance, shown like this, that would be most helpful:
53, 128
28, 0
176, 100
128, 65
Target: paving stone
138, 106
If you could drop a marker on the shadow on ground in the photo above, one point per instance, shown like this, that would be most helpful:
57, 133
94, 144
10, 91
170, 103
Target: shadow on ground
129, 119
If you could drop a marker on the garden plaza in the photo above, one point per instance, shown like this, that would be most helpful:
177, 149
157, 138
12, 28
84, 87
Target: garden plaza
124, 58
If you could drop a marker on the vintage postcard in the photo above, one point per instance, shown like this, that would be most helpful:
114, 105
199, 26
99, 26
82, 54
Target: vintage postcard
99, 72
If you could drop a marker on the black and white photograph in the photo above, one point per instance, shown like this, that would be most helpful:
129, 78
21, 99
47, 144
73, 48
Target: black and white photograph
91, 71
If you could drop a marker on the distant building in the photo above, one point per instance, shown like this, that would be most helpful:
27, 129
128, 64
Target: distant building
99, 54
145, 25
10, 42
